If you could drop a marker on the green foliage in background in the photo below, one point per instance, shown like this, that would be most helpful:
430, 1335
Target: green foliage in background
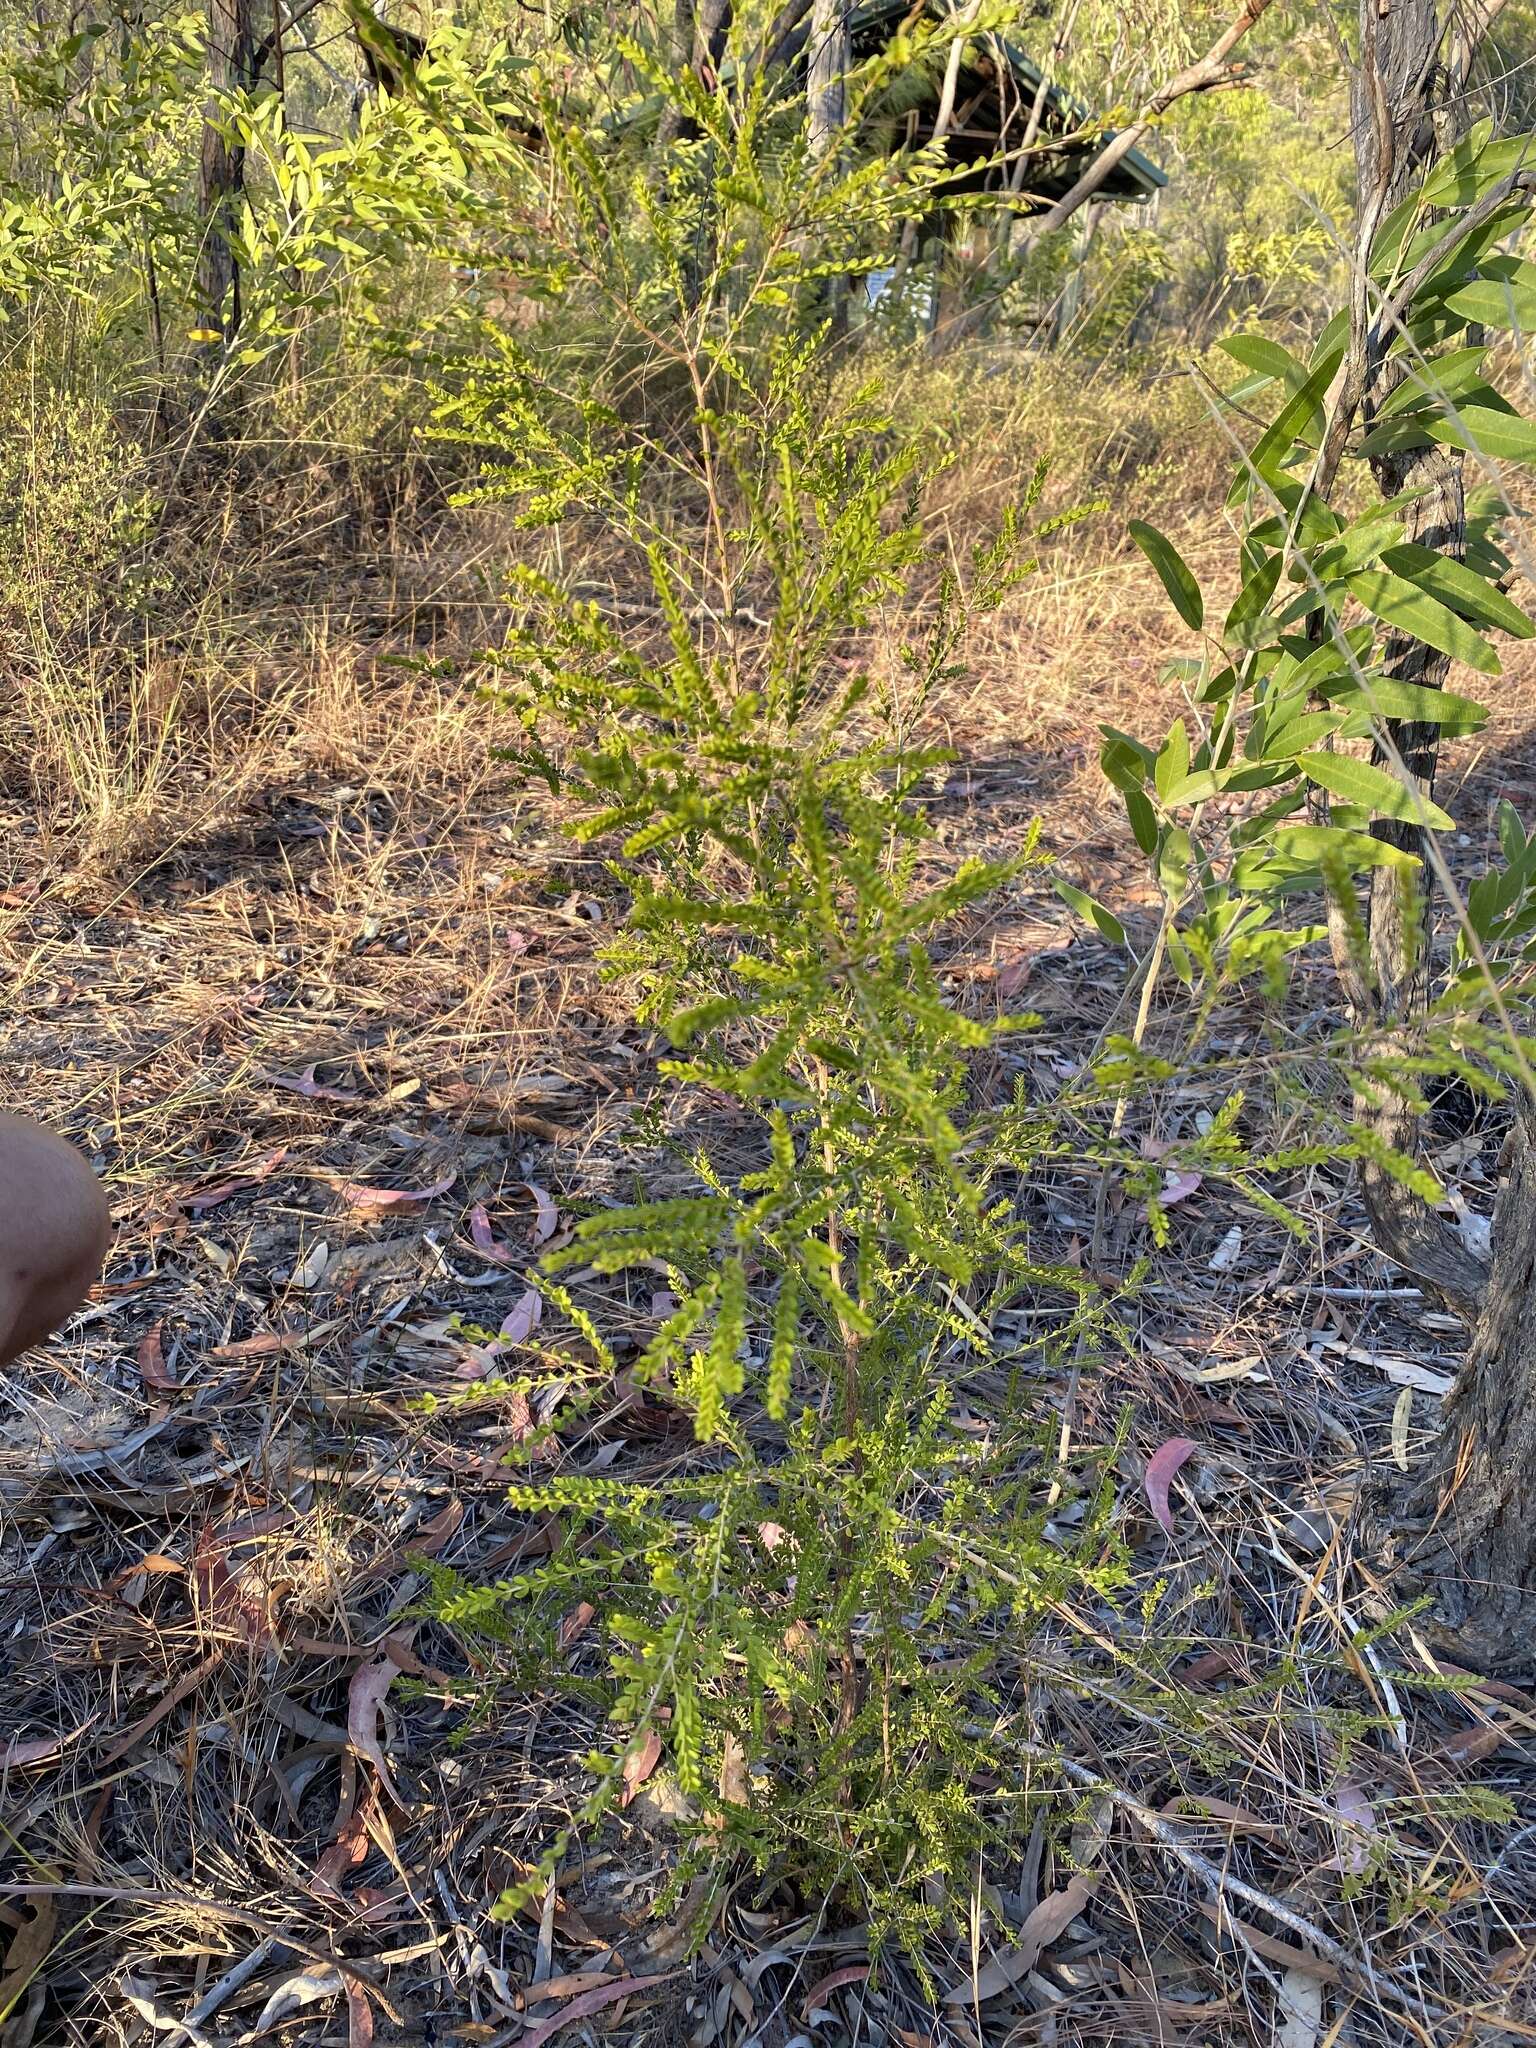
1259, 798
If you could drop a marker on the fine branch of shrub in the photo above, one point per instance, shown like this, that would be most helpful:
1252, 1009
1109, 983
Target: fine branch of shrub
837, 1618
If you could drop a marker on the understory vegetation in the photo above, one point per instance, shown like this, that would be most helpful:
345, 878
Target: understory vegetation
793, 909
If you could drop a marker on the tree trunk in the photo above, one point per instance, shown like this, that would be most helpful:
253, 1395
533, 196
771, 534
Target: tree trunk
1470, 1538
826, 110
1471, 1541
231, 68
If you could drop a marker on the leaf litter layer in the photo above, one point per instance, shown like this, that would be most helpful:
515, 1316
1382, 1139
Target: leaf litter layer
348, 1066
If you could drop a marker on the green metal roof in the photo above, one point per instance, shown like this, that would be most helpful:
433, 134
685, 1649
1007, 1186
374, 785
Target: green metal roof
1138, 166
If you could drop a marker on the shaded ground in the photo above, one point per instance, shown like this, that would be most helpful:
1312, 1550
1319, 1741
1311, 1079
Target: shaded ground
345, 1060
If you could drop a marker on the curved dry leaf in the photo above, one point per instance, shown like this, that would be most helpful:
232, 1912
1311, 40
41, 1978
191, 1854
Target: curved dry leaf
1049, 1920
639, 1764
822, 1989
312, 1090
295, 1992
365, 1696
546, 1217
1359, 1828
1161, 1467
29, 1948
486, 1242
519, 1323
359, 1196
359, 2015
1402, 1420
153, 1370
590, 2002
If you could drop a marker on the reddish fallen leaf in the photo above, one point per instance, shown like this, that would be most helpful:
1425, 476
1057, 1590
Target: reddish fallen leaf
359, 2015
576, 1623
487, 1243
210, 1198
639, 1764
546, 1217
365, 1695
663, 1303
1360, 1829
348, 1850
153, 1370
822, 1989
359, 1197
312, 1090
24, 1750
568, 1986
590, 2002
1184, 1183
222, 1598
517, 942
1161, 1467
29, 1949
263, 1344
1043, 1924
520, 1322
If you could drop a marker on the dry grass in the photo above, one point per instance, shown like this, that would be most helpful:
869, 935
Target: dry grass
287, 931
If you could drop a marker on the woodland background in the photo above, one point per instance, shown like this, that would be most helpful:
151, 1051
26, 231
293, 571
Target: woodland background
303, 1710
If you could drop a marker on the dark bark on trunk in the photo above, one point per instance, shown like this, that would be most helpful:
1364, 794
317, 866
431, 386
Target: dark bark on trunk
826, 105
231, 68
1471, 1539
1470, 1532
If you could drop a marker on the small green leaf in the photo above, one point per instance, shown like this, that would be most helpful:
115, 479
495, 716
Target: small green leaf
1173, 572
1362, 782
1433, 383
1511, 832
1104, 922
1496, 302
1300, 734
1173, 864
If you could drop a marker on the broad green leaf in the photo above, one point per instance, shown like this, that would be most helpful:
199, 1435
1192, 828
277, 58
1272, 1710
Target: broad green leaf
1414, 611
1104, 922
1172, 765
1173, 864
1298, 415
1244, 621
1314, 844
1511, 832
1448, 376
1386, 697
1354, 548
1362, 782
1495, 302
1258, 352
1300, 734
1172, 570
1268, 362
1482, 431
1459, 587
1138, 808
1198, 788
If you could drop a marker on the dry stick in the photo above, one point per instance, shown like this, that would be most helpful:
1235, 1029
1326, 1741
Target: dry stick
1206, 74
1357, 1969
135, 1895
